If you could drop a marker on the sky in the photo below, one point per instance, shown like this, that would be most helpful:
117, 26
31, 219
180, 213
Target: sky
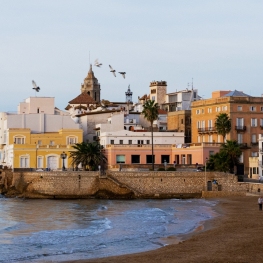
218, 44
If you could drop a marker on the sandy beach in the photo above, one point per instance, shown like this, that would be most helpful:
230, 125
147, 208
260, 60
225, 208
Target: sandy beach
236, 235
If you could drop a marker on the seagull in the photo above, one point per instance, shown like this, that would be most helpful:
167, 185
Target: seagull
35, 87
97, 64
112, 70
123, 74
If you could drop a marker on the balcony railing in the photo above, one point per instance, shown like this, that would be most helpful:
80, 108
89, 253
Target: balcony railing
260, 163
261, 150
243, 145
254, 143
206, 130
240, 128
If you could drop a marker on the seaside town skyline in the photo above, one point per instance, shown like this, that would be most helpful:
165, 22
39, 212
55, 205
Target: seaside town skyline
219, 46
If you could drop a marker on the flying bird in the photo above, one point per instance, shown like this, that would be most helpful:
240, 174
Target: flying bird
123, 74
35, 87
97, 64
112, 70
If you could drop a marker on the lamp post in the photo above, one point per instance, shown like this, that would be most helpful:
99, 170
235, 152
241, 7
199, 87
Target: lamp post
165, 163
63, 156
205, 172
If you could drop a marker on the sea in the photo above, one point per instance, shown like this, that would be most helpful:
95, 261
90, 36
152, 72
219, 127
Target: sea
42, 230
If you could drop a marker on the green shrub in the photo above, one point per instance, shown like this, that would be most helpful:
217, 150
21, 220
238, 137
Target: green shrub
171, 169
161, 169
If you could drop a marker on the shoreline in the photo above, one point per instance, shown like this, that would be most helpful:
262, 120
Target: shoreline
234, 235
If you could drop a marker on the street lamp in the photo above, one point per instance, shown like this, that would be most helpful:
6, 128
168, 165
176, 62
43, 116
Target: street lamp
165, 163
63, 156
206, 159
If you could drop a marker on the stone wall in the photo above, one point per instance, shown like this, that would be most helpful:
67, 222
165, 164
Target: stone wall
117, 184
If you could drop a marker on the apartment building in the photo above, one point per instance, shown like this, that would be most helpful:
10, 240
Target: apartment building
246, 114
37, 135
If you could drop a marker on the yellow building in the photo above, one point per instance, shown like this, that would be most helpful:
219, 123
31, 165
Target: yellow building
41, 150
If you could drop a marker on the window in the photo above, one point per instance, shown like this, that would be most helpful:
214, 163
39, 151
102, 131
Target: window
39, 162
165, 158
197, 111
254, 154
135, 159
72, 140
39, 142
147, 141
254, 138
121, 141
51, 143
219, 138
240, 138
241, 158
111, 141
210, 124
253, 108
218, 109
253, 122
130, 141
211, 153
261, 122
120, 158
255, 170
261, 108
153, 97
239, 108
224, 108
240, 122
198, 139
203, 111
19, 140
182, 121
149, 158
24, 162
210, 138
209, 110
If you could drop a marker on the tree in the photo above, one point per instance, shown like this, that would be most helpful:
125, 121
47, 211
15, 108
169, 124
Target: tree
226, 159
223, 124
150, 112
89, 155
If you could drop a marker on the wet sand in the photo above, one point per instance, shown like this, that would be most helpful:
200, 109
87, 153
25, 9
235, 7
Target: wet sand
236, 235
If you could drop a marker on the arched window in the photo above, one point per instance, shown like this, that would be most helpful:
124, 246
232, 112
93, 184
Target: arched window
24, 162
19, 139
72, 139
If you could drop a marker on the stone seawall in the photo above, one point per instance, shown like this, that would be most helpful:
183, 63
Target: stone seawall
118, 184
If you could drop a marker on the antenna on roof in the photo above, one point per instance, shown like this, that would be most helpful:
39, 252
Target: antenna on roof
89, 57
192, 83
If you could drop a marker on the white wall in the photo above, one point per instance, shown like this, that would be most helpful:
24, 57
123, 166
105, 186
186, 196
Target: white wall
159, 137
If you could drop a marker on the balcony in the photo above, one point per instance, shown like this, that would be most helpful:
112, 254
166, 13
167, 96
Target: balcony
240, 128
260, 163
206, 130
261, 151
243, 145
254, 143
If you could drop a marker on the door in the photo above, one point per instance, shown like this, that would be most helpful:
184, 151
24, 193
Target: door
52, 162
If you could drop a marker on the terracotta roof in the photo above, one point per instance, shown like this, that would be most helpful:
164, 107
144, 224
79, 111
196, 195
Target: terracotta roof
83, 98
160, 111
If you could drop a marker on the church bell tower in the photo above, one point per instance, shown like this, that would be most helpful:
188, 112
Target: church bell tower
91, 86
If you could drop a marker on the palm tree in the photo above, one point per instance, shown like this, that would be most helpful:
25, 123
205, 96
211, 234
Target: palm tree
88, 155
150, 112
223, 124
226, 159
231, 149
